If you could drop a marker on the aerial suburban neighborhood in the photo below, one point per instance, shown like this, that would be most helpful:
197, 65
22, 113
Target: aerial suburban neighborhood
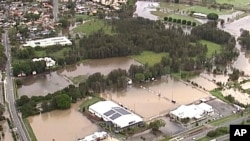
124, 70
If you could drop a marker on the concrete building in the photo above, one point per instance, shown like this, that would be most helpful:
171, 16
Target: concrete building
48, 42
196, 112
113, 113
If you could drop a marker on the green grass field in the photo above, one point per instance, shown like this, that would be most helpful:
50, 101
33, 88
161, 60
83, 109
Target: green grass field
93, 26
29, 129
224, 120
56, 55
149, 57
218, 94
212, 48
234, 2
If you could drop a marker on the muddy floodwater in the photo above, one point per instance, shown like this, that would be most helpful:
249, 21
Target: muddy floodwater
153, 99
42, 84
103, 66
65, 125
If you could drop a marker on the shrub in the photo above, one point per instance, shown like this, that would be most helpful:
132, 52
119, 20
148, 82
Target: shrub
194, 24
170, 19
184, 21
179, 21
174, 20
189, 22
212, 134
165, 18
212, 16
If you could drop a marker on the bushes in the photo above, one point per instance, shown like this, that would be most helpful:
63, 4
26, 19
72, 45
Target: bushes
212, 16
218, 132
179, 21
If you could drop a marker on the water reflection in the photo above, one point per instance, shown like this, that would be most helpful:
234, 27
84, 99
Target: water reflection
66, 125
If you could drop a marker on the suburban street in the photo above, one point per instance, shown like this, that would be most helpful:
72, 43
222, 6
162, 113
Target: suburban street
10, 96
55, 10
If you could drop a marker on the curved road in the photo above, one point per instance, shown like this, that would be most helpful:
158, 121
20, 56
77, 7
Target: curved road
10, 95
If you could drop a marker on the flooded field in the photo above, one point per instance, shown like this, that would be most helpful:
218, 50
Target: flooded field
42, 84
153, 99
144, 8
244, 98
66, 125
103, 66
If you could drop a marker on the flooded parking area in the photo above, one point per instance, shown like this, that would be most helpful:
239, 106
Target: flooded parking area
65, 125
151, 100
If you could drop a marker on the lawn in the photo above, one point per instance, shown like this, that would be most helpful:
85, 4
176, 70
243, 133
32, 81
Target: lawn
217, 93
84, 17
234, 2
206, 10
92, 26
29, 129
89, 102
56, 55
212, 48
149, 57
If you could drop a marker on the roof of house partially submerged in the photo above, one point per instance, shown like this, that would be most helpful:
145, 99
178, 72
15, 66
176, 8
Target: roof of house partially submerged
113, 112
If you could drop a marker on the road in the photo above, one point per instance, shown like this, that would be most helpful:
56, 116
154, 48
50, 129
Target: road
204, 133
55, 10
10, 95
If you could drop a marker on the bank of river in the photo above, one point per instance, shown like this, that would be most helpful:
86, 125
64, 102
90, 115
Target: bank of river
64, 125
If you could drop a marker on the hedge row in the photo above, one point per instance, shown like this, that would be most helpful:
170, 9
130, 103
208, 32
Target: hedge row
180, 21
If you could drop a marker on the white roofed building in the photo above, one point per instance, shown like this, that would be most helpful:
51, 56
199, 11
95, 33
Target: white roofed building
111, 112
196, 112
48, 42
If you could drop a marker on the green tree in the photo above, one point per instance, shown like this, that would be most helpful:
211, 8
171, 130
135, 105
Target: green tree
62, 101
139, 77
155, 125
212, 16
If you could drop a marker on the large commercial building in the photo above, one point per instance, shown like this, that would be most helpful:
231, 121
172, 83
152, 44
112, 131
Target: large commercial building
196, 112
48, 42
113, 113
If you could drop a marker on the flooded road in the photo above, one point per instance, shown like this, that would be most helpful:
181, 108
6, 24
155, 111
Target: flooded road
153, 99
104, 66
42, 84
65, 125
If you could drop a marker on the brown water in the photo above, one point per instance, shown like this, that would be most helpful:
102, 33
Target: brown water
66, 125
42, 84
242, 62
145, 101
98, 65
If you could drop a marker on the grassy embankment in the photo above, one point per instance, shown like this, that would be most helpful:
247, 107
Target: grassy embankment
29, 129
90, 101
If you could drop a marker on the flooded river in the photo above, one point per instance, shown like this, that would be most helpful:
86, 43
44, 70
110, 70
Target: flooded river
153, 99
65, 125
